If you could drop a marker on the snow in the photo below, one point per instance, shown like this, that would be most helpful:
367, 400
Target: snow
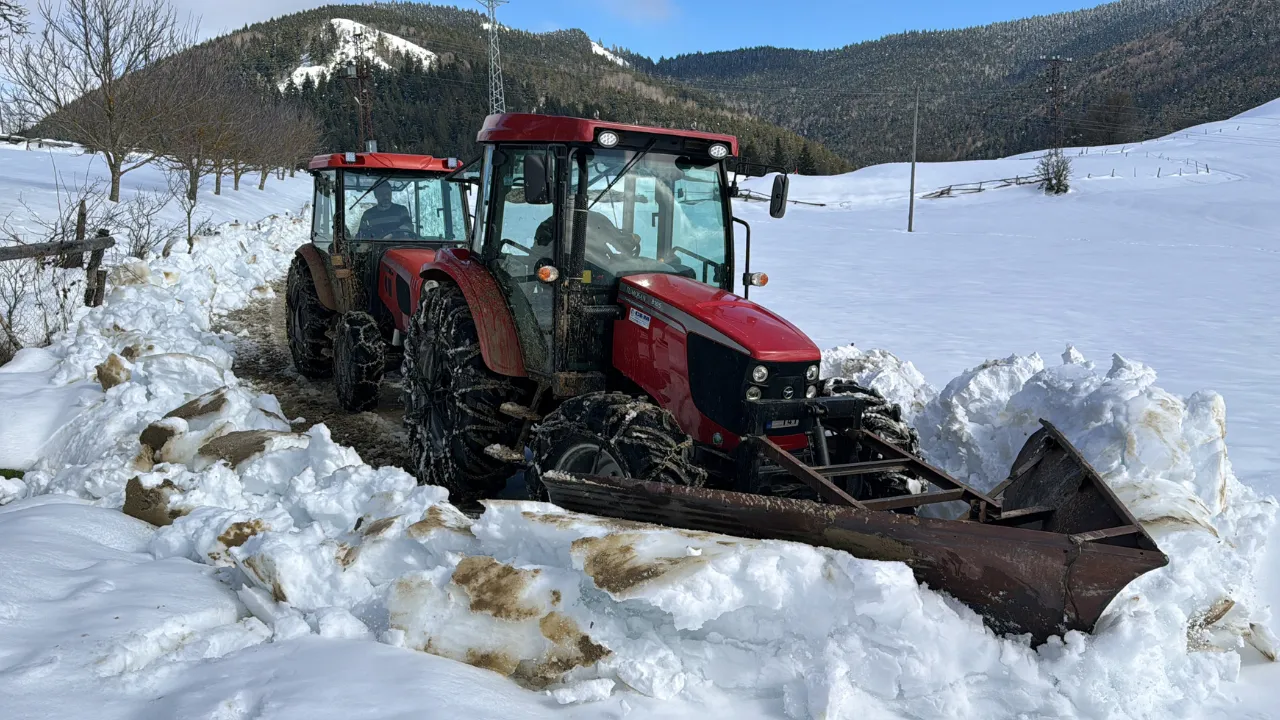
375, 45
600, 50
37, 182
289, 578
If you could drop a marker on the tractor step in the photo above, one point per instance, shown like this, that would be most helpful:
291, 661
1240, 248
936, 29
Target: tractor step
1043, 556
517, 410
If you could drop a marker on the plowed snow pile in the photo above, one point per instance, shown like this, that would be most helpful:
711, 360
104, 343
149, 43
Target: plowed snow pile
308, 540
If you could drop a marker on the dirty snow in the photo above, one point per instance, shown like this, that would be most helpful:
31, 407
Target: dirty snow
375, 45
290, 576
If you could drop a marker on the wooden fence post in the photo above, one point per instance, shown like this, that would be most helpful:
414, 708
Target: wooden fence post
95, 278
75, 260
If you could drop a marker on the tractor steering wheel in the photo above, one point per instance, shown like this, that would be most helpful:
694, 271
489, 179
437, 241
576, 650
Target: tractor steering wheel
404, 232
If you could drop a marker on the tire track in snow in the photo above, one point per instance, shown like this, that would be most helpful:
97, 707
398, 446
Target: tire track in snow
263, 360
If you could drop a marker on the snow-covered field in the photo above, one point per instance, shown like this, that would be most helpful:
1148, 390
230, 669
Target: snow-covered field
295, 581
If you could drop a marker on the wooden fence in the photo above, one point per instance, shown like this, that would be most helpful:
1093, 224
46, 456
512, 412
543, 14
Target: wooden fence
984, 185
71, 254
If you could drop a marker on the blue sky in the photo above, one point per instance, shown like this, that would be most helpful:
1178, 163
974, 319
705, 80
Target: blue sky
670, 27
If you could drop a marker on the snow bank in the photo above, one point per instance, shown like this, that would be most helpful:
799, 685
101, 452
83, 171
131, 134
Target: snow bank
152, 338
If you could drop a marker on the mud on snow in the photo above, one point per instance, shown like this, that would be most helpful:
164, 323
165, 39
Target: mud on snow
263, 360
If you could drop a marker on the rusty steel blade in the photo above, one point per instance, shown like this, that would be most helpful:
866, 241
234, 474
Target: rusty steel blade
1048, 576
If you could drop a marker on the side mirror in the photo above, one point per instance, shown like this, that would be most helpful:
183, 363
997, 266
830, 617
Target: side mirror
537, 185
778, 203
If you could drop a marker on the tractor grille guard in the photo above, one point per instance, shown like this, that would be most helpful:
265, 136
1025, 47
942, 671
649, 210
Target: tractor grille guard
1042, 553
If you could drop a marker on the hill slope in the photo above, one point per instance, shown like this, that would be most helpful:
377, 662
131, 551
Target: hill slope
984, 89
431, 74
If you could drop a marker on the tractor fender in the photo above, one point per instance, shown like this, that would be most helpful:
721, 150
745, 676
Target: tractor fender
499, 342
319, 275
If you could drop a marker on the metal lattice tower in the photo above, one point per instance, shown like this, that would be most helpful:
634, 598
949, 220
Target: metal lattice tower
497, 99
1055, 89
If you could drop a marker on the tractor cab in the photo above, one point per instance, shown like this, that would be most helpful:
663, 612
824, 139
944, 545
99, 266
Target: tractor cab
573, 212
369, 204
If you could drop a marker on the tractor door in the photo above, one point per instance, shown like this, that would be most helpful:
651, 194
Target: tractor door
516, 239
322, 210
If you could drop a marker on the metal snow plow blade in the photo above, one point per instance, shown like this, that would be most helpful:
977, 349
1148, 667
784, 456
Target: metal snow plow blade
1043, 553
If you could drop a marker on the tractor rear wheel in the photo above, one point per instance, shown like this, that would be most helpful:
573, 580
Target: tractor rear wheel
453, 400
359, 359
307, 323
612, 434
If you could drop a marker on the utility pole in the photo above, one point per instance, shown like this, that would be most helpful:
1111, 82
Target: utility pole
361, 73
497, 99
1055, 89
915, 137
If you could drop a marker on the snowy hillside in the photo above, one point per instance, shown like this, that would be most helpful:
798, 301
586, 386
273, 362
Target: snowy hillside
357, 40
292, 580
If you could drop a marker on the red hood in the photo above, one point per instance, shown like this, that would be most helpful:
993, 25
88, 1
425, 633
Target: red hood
764, 335
411, 259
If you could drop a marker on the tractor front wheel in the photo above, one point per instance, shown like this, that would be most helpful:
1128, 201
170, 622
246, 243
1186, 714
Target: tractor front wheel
453, 400
358, 361
307, 323
612, 434
883, 419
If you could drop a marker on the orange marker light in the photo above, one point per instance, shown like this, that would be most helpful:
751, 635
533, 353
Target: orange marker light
759, 279
548, 274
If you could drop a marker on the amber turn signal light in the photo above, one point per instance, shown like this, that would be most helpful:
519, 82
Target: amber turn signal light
548, 274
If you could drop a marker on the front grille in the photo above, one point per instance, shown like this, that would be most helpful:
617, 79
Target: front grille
719, 377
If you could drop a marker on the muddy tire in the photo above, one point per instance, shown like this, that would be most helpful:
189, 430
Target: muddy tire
307, 323
359, 358
612, 434
452, 400
884, 419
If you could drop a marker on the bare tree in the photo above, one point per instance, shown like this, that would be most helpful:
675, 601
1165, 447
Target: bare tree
212, 119
144, 231
12, 18
180, 188
1055, 169
83, 74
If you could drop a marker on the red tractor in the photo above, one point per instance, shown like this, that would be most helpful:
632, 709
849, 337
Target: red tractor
591, 323
585, 329
377, 220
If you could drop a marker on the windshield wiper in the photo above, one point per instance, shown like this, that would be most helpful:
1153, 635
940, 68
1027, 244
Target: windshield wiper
381, 180
625, 169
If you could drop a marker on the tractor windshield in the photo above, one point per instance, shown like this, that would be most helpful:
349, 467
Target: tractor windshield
403, 206
653, 212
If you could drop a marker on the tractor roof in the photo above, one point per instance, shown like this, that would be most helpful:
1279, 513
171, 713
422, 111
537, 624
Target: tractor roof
384, 161
526, 127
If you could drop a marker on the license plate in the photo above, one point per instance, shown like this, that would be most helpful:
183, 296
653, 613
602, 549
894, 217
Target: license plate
782, 424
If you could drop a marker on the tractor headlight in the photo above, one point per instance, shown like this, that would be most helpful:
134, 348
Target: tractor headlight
718, 151
811, 392
759, 374
753, 393
811, 374
607, 139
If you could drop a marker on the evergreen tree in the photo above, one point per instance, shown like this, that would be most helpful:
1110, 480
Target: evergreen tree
779, 158
806, 164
